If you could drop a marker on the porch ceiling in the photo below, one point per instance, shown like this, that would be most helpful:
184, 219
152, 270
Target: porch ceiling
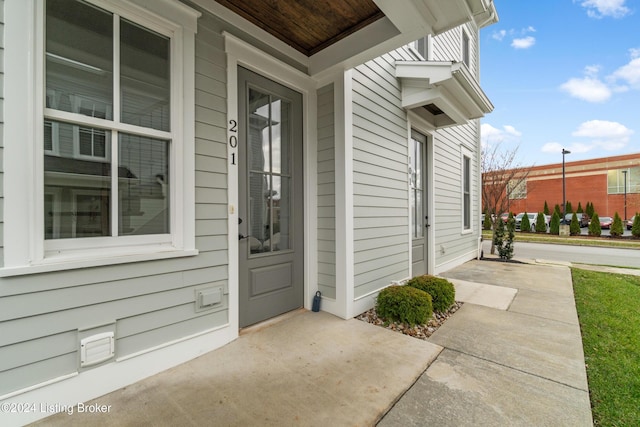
443, 93
307, 25
323, 34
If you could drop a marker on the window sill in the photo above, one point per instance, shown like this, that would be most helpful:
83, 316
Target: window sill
465, 232
86, 259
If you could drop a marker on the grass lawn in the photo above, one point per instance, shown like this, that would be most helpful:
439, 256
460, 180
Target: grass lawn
573, 240
609, 311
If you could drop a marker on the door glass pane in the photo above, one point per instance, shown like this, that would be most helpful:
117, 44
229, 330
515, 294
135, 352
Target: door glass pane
259, 211
143, 185
269, 144
144, 77
79, 58
419, 214
77, 190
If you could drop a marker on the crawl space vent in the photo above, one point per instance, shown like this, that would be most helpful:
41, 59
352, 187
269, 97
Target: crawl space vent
96, 349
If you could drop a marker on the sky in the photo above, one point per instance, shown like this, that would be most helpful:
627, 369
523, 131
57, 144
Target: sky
562, 74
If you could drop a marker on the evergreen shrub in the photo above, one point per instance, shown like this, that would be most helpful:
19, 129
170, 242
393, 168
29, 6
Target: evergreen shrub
404, 304
554, 226
525, 224
442, 292
541, 223
574, 228
635, 228
594, 226
617, 229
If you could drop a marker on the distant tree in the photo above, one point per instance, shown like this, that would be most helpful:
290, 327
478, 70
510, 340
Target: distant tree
505, 250
635, 228
556, 208
574, 227
541, 223
579, 210
590, 211
525, 224
616, 226
554, 226
594, 226
546, 208
502, 174
569, 208
487, 221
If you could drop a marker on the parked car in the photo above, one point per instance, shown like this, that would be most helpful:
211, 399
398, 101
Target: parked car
504, 216
532, 220
583, 219
630, 223
605, 222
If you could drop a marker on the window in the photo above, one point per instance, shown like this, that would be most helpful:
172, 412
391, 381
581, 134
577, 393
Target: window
466, 49
517, 189
111, 168
417, 145
423, 47
616, 180
466, 192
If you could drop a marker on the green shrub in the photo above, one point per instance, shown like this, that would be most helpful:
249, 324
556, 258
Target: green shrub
574, 227
616, 226
541, 223
635, 228
487, 221
579, 210
525, 224
594, 226
556, 208
505, 250
442, 292
546, 208
554, 226
404, 304
569, 208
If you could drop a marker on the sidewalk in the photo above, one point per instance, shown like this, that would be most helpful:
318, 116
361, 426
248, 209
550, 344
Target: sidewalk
512, 355
523, 366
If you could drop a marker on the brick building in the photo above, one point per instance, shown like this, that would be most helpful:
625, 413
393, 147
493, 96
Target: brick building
599, 181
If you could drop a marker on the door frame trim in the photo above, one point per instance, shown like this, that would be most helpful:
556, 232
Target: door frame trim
240, 53
420, 125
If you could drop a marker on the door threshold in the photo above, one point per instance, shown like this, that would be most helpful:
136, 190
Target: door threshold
269, 322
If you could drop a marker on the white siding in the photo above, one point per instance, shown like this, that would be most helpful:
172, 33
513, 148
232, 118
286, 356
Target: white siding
380, 204
1, 133
146, 304
326, 193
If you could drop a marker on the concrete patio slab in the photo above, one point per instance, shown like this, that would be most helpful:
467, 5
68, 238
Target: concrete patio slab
462, 390
498, 297
310, 369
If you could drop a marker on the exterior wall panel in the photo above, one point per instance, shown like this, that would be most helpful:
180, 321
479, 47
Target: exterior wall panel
149, 303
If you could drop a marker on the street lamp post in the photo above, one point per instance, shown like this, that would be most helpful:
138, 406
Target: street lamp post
624, 172
564, 193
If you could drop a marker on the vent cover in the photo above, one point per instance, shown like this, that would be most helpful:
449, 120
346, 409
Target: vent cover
97, 348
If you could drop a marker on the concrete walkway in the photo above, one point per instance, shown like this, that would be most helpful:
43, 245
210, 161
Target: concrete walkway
519, 366
512, 355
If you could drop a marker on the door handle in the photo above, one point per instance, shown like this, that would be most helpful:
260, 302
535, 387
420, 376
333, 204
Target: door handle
242, 237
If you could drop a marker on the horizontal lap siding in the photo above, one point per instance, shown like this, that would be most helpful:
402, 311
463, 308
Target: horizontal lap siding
380, 202
326, 193
149, 303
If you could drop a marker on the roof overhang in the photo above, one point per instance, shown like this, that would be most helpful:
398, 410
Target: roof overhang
442, 93
353, 41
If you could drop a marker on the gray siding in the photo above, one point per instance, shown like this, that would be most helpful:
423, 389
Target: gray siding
148, 303
380, 186
326, 193
448, 161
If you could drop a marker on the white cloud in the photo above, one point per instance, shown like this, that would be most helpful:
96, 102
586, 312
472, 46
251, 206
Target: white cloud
499, 35
523, 43
604, 134
590, 89
629, 73
601, 8
574, 147
490, 135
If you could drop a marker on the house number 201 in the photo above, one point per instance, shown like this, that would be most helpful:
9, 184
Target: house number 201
233, 139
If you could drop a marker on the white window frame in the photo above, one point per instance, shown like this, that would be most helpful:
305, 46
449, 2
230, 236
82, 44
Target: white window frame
465, 153
26, 250
465, 50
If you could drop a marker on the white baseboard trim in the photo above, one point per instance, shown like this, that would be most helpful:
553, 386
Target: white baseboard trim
440, 268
